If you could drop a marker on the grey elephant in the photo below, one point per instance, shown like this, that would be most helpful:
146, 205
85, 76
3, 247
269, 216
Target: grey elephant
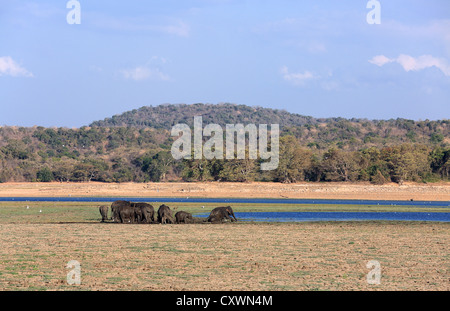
144, 212
183, 217
104, 212
220, 213
123, 212
165, 215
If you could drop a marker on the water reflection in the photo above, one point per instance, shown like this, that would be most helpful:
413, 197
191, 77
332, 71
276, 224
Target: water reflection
339, 216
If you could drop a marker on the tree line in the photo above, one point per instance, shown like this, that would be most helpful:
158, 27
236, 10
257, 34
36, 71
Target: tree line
141, 155
135, 146
406, 162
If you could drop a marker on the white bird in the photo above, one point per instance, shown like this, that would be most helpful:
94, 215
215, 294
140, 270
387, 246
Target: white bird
28, 207
203, 206
40, 211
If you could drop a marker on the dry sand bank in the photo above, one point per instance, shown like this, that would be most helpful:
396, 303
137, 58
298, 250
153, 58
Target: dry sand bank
361, 191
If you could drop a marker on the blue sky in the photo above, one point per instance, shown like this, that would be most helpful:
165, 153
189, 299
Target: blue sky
316, 58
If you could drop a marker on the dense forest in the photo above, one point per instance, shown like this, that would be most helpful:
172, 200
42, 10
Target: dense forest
135, 146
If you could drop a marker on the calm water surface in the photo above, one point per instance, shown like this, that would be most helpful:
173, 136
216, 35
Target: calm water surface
284, 216
341, 216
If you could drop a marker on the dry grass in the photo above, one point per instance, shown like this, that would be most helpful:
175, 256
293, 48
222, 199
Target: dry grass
36, 247
232, 256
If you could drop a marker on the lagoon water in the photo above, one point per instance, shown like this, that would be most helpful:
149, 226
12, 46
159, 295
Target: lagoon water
285, 216
340, 216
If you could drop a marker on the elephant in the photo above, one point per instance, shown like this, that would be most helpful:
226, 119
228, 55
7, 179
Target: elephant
220, 213
165, 215
115, 206
123, 212
144, 212
183, 217
104, 212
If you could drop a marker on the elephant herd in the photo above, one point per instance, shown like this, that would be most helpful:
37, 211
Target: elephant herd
138, 213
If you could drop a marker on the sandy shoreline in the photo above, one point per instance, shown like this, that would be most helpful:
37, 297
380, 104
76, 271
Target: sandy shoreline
359, 191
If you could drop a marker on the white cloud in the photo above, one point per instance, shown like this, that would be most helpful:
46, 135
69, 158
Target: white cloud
296, 78
9, 67
151, 70
137, 74
143, 73
325, 81
425, 61
380, 60
410, 63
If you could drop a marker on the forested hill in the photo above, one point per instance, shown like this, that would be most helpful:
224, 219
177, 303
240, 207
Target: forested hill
136, 146
165, 116
319, 133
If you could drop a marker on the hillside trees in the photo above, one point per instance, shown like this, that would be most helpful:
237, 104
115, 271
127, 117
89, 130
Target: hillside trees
294, 161
372, 167
200, 169
239, 170
156, 165
90, 169
63, 169
338, 165
440, 162
406, 162
44, 175
136, 146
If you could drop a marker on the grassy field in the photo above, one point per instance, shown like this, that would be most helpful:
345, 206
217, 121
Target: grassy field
38, 242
